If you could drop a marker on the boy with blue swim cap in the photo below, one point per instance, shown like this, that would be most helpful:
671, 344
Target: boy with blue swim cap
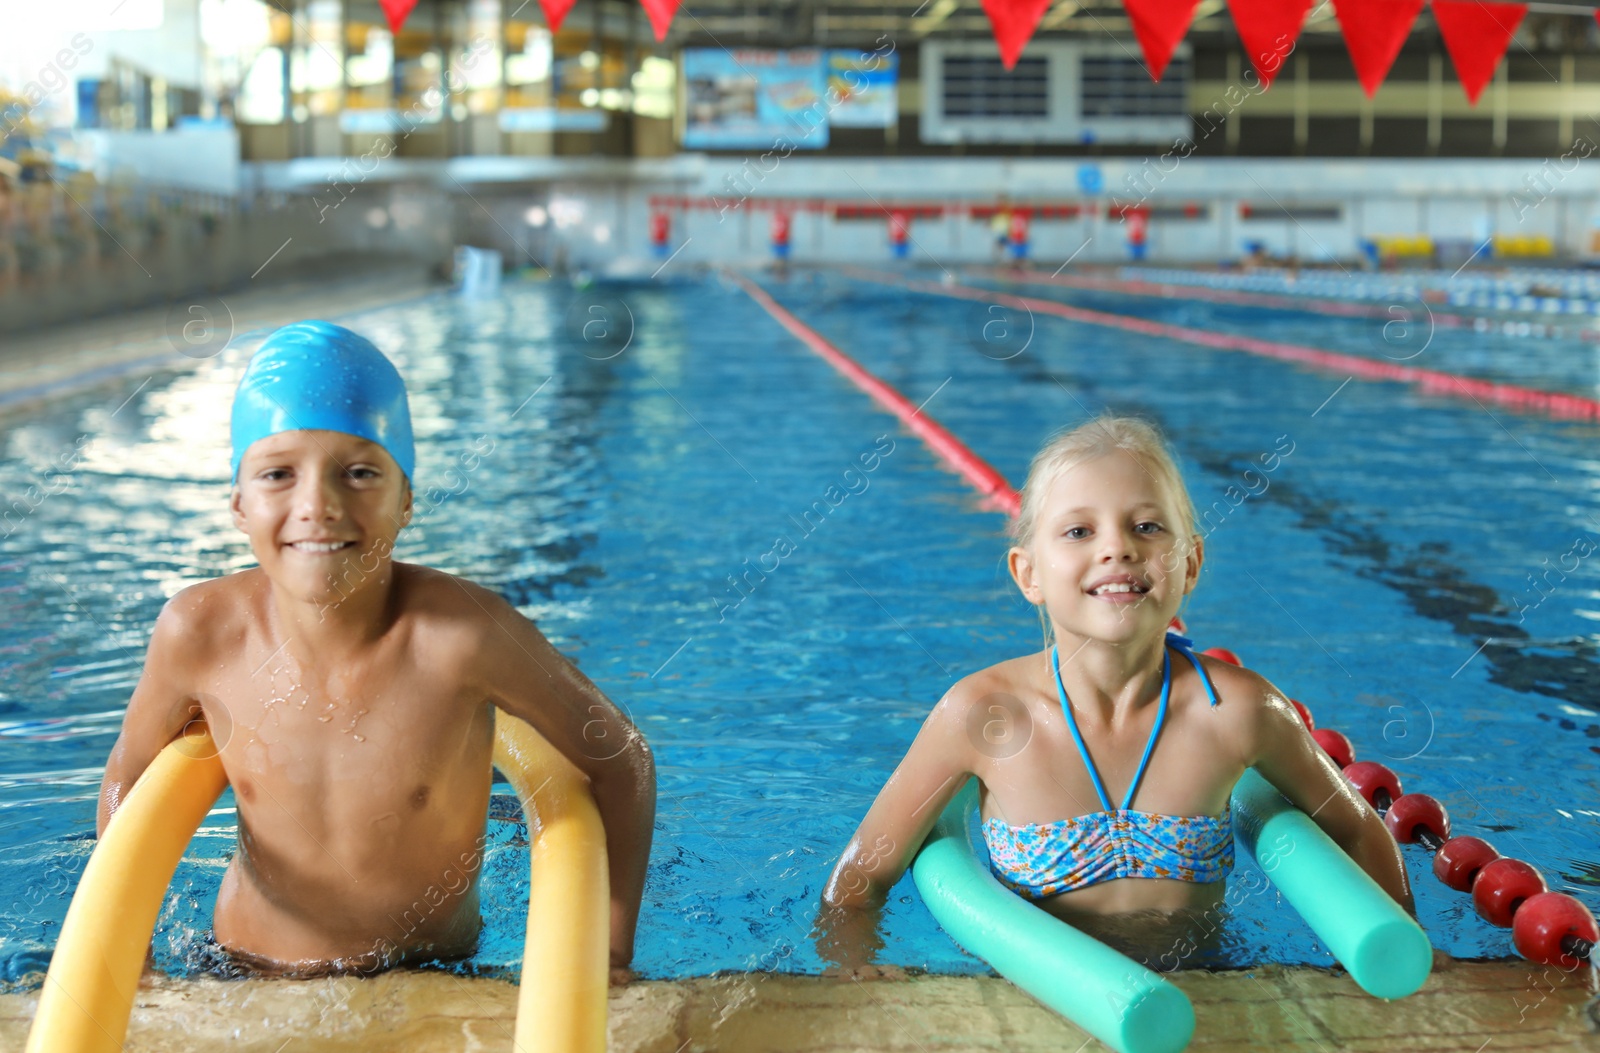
351, 696
319, 376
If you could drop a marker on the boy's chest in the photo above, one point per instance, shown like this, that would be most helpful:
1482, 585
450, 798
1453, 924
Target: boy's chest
279, 716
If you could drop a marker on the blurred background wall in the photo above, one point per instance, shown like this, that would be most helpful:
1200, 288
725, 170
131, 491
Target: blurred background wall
170, 146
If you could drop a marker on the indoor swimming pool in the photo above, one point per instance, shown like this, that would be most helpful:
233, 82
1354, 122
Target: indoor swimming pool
621, 461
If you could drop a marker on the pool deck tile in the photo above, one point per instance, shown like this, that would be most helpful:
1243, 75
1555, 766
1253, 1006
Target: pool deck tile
38, 365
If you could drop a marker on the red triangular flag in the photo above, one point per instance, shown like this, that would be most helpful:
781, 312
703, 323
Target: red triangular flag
1476, 35
396, 11
1013, 22
1373, 32
660, 12
1268, 30
554, 12
1160, 25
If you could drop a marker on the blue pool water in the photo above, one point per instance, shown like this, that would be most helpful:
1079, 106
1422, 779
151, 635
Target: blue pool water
632, 475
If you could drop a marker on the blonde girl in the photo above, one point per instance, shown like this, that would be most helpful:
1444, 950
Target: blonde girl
1115, 712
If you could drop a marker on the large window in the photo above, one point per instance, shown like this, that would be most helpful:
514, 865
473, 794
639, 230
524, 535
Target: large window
261, 96
1061, 91
1116, 84
978, 87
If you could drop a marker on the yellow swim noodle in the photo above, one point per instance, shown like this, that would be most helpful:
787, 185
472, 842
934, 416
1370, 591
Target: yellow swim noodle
94, 974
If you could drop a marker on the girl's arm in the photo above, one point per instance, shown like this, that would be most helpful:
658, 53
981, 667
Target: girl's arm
932, 773
1283, 751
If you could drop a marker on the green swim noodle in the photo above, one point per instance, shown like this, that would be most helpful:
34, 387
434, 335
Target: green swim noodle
1108, 994
1382, 946
1117, 1000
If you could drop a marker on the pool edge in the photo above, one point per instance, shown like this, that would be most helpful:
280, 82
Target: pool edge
1509, 1005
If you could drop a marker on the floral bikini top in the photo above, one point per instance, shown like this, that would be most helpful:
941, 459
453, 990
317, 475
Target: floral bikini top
1042, 859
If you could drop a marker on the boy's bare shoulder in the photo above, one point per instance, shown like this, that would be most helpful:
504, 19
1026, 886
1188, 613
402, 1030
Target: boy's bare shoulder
439, 595
214, 612
452, 616
459, 626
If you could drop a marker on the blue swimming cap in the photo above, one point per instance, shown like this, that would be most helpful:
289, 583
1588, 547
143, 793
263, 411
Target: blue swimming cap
320, 376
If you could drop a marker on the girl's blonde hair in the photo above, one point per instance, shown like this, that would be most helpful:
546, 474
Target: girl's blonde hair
1105, 434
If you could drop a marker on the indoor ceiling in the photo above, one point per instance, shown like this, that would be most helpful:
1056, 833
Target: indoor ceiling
735, 23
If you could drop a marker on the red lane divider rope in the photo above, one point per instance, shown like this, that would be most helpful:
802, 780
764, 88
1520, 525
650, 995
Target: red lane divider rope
1277, 301
975, 469
1553, 404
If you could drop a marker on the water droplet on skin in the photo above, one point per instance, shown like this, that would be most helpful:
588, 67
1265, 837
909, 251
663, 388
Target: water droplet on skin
359, 738
325, 717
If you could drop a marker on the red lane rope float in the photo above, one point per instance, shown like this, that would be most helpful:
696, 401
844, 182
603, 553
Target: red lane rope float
975, 469
1551, 928
1431, 381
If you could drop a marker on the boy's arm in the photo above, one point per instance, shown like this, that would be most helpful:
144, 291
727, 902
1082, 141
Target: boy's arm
160, 708
1283, 751
530, 679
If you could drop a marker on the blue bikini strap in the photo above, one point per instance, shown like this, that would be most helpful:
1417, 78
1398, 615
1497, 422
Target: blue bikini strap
1184, 646
1083, 750
1155, 732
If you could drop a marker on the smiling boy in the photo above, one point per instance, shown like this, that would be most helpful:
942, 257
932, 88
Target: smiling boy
352, 697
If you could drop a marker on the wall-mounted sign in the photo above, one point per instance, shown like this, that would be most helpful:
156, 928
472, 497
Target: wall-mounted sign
866, 85
754, 97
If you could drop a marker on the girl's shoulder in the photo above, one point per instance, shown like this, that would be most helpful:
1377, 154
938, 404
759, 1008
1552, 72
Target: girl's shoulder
1008, 674
982, 708
1240, 685
1246, 700
1003, 683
